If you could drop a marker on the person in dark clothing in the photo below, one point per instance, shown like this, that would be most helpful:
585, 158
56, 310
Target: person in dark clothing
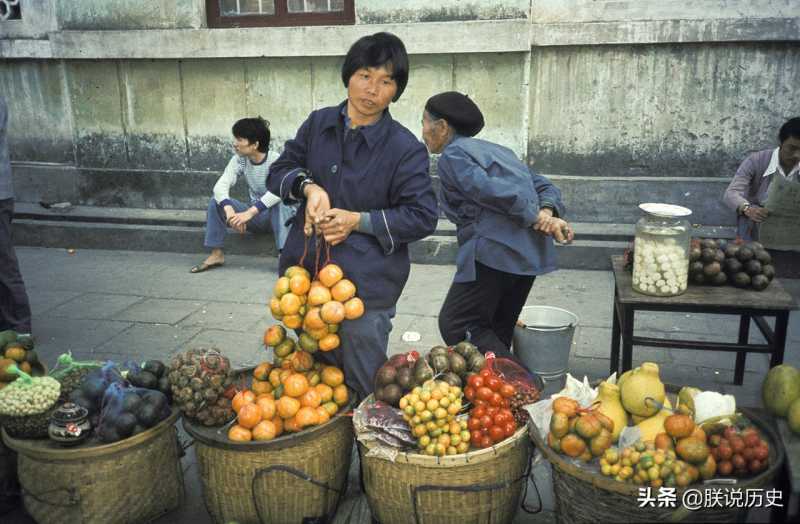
15, 310
506, 217
363, 184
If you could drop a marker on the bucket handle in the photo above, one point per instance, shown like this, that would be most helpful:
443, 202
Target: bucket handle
473, 488
297, 473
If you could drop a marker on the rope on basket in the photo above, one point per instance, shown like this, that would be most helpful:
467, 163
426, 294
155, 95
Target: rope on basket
297, 473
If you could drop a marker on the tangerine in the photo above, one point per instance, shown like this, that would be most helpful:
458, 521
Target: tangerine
313, 378
340, 395
274, 335
262, 371
317, 334
332, 376
299, 284
295, 385
325, 392
322, 415
332, 312
301, 361
281, 287
311, 398
265, 430
330, 275
329, 342
313, 320
249, 416
290, 304
241, 398
290, 425
268, 407
318, 294
293, 321
275, 377
287, 407
261, 386
353, 308
275, 308
296, 270
278, 421
239, 434
330, 407
343, 290
307, 416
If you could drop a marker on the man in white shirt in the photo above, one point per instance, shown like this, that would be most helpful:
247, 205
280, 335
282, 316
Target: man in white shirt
265, 212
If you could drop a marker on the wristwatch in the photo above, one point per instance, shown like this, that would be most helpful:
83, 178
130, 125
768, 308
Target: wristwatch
307, 180
745, 207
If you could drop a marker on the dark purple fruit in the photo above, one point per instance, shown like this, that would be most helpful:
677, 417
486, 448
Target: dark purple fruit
731, 250
695, 267
768, 271
732, 266
752, 267
744, 254
720, 279
708, 255
719, 256
694, 254
699, 278
741, 279
712, 269
708, 243
755, 246
763, 257
759, 282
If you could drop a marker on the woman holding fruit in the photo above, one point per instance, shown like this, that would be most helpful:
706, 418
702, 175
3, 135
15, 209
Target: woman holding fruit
506, 218
363, 184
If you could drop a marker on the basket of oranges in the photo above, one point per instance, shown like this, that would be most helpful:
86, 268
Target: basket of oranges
286, 455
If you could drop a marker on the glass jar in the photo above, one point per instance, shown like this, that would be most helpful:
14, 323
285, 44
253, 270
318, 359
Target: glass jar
661, 250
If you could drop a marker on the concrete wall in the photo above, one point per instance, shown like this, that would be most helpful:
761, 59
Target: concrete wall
108, 15
392, 11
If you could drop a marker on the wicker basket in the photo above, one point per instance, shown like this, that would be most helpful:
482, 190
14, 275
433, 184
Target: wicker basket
288, 479
132, 481
30, 426
9, 487
586, 497
483, 486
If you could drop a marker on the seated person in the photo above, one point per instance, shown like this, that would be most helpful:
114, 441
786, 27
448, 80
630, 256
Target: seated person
506, 217
265, 211
747, 192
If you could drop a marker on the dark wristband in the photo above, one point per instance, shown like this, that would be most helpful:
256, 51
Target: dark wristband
296, 191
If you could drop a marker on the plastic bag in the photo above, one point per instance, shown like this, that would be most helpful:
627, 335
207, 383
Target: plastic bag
384, 428
128, 411
513, 373
92, 389
395, 378
70, 373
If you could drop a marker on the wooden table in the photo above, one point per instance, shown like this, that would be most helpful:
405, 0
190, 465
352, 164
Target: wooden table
774, 301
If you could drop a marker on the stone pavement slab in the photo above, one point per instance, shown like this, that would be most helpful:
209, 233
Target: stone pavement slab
144, 341
95, 306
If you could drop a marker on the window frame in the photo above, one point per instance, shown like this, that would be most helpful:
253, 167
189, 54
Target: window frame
281, 18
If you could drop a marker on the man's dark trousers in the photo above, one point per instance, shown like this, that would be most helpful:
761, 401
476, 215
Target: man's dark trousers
15, 311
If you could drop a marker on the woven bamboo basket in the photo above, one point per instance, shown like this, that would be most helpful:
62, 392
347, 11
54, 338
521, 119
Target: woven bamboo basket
9, 487
132, 481
289, 479
586, 497
482, 486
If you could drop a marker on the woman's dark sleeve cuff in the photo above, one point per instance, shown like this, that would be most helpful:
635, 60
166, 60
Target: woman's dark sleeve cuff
260, 206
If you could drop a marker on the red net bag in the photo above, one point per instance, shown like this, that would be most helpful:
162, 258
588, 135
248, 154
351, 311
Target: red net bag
528, 385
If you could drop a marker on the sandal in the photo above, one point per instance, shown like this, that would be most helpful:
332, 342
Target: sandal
205, 267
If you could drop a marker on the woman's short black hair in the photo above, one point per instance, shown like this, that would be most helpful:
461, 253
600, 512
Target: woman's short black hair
375, 51
789, 129
253, 130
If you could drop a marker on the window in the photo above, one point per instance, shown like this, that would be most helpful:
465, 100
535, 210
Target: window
10, 10
257, 13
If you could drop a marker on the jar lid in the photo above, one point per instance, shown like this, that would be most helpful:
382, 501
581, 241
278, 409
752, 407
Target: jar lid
69, 412
665, 210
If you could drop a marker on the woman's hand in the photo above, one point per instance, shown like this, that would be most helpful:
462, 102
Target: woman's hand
559, 229
317, 204
543, 219
337, 225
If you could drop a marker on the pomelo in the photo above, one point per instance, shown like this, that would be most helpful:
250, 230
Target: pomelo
780, 389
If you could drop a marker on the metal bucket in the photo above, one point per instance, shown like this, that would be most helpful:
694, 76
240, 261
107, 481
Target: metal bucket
544, 343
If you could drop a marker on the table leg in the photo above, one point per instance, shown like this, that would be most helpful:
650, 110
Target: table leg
614, 336
627, 337
781, 327
741, 356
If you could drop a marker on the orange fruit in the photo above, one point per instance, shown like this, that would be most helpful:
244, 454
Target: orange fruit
322, 415
262, 371
275, 308
340, 395
299, 284
274, 335
281, 287
268, 407
265, 430
293, 321
301, 361
332, 312
275, 377
332, 376
278, 421
313, 320
329, 342
307, 416
353, 308
295, 385
330, 275
241, 398
249, 416
318, 295
290, 304
343, 290
239, 434
330, 407
296, 270
311, 398
290, 425
325, 392
260, 386
285, 373
317, 334
313, 378
287, 407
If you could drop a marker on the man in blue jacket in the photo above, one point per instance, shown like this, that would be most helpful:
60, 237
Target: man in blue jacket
506, 218
362, 182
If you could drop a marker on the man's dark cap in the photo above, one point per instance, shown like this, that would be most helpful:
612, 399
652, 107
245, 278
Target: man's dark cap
459, 111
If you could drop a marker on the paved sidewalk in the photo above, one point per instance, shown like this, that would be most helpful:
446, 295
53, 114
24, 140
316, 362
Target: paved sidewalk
125, 304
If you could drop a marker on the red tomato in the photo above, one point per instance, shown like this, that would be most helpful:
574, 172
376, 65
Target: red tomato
473, 423
507, 390
486, 422
496, 400
478, 412
509, 428
493, 383
478, 402
496, 433
469, 392
475, 381
475, 436
485, 442
508, 413
486, 372
506, 403
499, 418
484, 393
491, 410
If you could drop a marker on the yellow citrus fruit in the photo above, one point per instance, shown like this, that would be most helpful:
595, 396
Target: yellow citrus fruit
290, 304
281, 287
343, 290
